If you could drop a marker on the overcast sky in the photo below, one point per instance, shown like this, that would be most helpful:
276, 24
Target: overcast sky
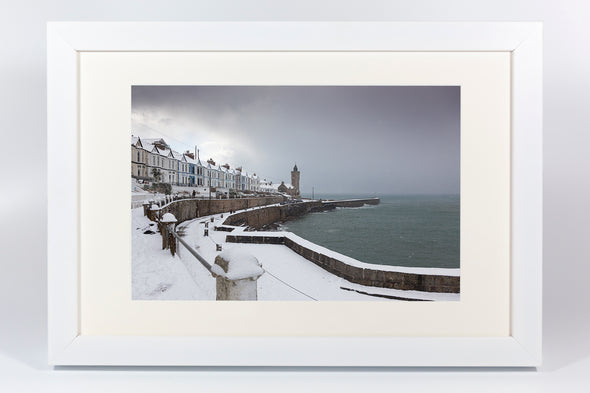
344, 139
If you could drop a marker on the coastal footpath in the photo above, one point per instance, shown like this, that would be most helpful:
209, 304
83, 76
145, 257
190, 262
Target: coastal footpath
424, 279
257, 213
384, 278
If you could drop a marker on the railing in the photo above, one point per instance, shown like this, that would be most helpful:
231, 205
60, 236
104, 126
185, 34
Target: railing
203, 261
229, 284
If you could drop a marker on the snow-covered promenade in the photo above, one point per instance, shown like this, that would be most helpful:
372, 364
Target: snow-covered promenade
288, 276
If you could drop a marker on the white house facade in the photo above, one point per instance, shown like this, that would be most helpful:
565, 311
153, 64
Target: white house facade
154, 160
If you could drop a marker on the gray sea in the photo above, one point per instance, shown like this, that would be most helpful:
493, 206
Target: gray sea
403, 230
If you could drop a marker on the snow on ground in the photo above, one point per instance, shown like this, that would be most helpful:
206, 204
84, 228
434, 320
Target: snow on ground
288, 276
156, 274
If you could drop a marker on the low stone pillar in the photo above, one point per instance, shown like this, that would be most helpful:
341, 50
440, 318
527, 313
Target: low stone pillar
146, 208
167, 224
154, 212
236, 274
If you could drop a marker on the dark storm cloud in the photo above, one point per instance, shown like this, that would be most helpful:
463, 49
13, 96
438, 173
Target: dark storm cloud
373, 139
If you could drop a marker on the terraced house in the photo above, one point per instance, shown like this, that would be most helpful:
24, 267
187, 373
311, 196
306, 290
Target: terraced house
154, 160
139, 159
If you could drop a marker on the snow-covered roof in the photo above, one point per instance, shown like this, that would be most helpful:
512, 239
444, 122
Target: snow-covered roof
163, 152
151, 145
266, 186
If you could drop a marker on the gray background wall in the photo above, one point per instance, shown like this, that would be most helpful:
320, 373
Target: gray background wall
23, 198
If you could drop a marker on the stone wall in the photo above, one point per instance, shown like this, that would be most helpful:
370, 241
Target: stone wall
354, 202
187, 209
258, 218
369, 277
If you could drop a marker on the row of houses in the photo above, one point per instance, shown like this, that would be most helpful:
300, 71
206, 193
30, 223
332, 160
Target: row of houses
155, 160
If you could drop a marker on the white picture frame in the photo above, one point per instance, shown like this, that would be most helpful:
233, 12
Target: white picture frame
68, 347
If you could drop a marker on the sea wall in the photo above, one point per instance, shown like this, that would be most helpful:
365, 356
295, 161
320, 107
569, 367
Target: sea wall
354, 202
258, 218
187, 209
358, 275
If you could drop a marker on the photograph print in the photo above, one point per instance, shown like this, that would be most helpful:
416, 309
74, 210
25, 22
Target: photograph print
295, 193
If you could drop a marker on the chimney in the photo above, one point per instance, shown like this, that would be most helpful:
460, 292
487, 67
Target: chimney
161, 144
189, 154
210, 161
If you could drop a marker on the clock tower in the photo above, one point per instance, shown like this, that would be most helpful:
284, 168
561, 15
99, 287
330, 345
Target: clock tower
295, 179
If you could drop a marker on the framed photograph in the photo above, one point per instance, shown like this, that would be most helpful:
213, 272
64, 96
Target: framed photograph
301, 194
